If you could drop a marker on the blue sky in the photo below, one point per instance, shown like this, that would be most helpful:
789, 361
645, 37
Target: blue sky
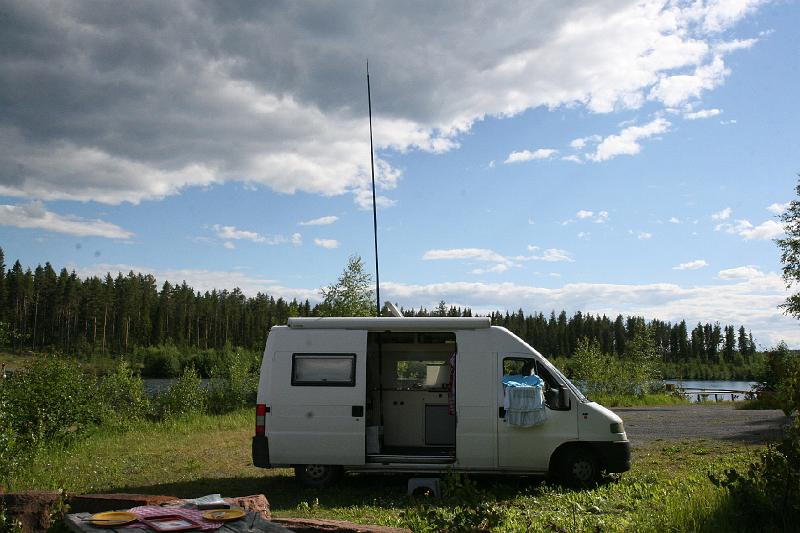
615, 157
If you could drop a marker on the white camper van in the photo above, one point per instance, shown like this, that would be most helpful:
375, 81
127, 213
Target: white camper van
424, 395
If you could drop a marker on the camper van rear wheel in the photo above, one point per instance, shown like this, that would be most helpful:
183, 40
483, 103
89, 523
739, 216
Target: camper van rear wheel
579, 467
317, 476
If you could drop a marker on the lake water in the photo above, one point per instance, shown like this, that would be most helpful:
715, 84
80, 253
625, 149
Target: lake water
713, 384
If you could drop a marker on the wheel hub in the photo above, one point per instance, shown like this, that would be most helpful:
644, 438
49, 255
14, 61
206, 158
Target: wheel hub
582, 470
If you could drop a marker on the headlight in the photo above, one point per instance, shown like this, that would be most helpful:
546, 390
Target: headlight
617, 427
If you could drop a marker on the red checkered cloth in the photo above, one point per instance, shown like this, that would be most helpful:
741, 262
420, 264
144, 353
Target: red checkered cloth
147, 511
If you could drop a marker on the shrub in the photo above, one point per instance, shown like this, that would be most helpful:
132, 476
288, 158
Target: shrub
767, 494
635, 374
233, 383
49, 401
185, 396
12, 454
160, 361
123, 395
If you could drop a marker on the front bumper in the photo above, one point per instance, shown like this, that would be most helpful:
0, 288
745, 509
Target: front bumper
261, 451
614, 456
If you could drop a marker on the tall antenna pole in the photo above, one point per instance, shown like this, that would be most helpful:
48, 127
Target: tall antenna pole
374, 206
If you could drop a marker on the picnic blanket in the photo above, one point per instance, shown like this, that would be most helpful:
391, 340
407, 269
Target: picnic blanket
146, 511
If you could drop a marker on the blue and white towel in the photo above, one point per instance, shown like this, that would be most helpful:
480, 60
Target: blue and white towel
523, 400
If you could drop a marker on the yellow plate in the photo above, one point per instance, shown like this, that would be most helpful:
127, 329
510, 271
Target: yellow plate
112, 518
223, 515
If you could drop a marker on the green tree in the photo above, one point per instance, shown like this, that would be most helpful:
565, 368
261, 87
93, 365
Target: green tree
351, 295
790, 253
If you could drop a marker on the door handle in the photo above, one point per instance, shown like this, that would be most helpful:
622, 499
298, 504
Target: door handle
357, 411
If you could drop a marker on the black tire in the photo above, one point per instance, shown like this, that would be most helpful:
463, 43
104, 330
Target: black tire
578, 467
317, 476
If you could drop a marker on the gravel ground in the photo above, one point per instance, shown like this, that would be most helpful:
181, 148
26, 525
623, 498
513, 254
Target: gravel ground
709, 421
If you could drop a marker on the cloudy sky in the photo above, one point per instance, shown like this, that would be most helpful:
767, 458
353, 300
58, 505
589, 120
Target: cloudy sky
610, 156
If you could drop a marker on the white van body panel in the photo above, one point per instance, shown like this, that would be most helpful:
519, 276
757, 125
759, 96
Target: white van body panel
315, 424
594, 423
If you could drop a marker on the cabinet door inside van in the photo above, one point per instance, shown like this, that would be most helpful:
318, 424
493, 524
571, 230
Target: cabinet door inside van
317, 399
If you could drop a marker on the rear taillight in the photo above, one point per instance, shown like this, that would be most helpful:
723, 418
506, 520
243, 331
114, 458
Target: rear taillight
261, 419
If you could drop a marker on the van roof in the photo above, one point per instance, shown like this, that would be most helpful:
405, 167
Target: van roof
391, 323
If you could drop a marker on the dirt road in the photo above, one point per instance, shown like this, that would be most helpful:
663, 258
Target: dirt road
707, 421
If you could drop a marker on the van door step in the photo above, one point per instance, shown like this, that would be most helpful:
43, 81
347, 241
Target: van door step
412, 459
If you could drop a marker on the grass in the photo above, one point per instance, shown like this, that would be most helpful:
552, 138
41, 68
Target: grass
667, 489
631, 400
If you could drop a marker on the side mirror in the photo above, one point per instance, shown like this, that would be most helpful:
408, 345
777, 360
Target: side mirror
563, 398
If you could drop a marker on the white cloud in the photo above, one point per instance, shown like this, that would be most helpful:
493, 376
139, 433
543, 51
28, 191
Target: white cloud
532, 248
598, 218
720, 14
764, 231
725, 214
583, 234
777, 208
231, 232
644, 236
703, 113
627, 141
742, 272
734, 45
676, 89
752, 302
674, 220
35, 216
498, 268
526, 155
250, 113
476, 254
297, 239
327, 243
574, 158
363, 199
580, 143
726, 122
554, 255
768, 229
691, 265
229, 245
321, 221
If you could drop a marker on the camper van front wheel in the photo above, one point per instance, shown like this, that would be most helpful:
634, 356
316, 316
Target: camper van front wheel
579, 467
317, 476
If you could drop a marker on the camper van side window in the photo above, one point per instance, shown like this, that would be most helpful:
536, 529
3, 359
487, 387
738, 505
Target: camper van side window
324, 369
